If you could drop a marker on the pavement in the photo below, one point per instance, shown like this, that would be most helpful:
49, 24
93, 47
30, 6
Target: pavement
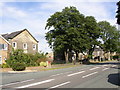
104, 75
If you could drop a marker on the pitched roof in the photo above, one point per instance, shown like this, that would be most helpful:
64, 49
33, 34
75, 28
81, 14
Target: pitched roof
14, 34
4, 39
11, 35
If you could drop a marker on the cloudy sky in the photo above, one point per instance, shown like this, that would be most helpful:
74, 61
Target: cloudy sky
33, 14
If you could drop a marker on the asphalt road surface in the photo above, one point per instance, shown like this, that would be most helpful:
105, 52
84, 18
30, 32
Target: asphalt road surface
104, 75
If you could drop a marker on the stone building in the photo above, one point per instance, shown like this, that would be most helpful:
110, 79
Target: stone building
22, 39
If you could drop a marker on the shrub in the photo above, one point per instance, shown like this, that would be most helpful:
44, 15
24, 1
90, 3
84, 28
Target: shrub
43, 64
18, 66
5, 65
26, 58
116, 57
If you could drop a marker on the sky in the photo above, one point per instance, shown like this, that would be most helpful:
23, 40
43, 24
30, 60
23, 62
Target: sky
17, 15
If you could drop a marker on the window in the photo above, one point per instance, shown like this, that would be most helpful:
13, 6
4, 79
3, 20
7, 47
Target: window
25, 46
14, 44
3, 46
34, 46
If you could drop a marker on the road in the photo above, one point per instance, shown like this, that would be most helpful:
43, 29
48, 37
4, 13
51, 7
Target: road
104, 75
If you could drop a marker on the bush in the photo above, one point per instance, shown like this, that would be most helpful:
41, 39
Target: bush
26, 58
43, 64
116, 57
5, 66
18, 66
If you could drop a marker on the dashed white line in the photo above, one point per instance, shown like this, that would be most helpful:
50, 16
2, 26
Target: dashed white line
89, 75
105, 65
59, 85
75, 73
56, 74
16, 82
105, 69
114, 65
37, 83
94, 68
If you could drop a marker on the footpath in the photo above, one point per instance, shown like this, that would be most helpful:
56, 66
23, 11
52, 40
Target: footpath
40, 68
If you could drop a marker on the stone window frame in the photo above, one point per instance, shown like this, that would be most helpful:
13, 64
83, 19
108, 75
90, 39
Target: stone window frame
4, 47
34, 46
25, 46
15, 43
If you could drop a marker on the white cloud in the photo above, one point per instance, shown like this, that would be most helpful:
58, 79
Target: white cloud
13, 12
35, 21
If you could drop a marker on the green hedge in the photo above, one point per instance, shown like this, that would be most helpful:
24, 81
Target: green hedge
18, 66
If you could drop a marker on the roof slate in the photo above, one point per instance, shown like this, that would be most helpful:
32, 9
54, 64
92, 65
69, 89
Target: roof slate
11, 35
14, 34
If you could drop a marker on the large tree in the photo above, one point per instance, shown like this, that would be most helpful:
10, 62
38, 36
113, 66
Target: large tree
110, 37
65, 34
93, 33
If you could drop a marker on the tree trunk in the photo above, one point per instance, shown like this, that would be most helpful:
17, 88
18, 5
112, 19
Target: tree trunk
90, 52
77, 56
66, 56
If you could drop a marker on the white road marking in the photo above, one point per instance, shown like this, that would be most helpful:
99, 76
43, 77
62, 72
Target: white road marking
33, 84
59, 85
56, 74
105, 69
105, 65
114, 65
89, 75
60, 74
16, 82
94, 68
75, 73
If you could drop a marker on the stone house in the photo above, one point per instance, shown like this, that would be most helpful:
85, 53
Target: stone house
4, 49
19, 40
98, 53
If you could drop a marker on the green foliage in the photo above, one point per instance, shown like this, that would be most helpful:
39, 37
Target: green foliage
5, 65
116, 57
110, 36
18, 66
28, 59
43, 64
72, 31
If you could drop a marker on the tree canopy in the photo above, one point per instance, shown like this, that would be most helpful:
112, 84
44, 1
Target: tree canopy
110, 36
69, 30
